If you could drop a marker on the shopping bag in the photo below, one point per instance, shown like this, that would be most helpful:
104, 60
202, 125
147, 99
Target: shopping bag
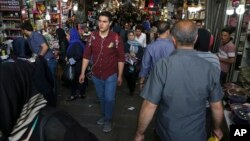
68, 73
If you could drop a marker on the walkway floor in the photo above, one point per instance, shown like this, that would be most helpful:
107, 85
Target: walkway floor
87, 112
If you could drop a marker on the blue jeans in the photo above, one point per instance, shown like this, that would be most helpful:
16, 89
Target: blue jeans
52, 64
105, 90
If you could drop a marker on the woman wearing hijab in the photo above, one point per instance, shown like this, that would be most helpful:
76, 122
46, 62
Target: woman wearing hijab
202, 46
63, 44
133, 55
74, 56
23, 110
17, 97
21, 48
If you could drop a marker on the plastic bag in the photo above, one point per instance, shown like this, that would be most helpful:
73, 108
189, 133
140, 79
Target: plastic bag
89, 73
68, 73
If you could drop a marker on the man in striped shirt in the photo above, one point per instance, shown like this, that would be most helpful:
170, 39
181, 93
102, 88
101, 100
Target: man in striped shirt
226, 53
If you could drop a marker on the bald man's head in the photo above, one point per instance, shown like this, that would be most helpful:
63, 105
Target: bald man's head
185, 33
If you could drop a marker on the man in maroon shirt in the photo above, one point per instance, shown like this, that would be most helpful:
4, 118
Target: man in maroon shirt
106, 50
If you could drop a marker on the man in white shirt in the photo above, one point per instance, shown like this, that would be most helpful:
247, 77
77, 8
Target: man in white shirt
140, 36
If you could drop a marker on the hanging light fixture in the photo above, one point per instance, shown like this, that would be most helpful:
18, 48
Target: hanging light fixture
104, 5
240, 9
23, 11
151, 4
75, 7
47, 16
194, 9
230, 11
64, 0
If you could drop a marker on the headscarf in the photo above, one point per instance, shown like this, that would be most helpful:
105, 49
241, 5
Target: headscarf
21, 48
19, 100
203, 40
134, 45
74, 38
61, 35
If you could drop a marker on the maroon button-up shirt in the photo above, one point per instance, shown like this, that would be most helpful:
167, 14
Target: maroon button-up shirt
105, 52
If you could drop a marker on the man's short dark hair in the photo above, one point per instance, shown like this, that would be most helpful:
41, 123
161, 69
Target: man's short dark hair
139, 27
26, 25
184, 34
106, 14
229, 30
163, 26
199, 21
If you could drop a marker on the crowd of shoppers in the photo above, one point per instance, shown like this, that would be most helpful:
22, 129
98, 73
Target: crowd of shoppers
178, 75
185, 105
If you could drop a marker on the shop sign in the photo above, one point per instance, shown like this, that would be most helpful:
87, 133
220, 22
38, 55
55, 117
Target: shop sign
9, 4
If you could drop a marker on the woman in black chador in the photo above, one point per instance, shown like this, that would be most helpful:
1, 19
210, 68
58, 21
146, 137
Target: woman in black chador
24, 112
74, 55
63, 44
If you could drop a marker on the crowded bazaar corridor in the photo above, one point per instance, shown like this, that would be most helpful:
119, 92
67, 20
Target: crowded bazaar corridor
124, 70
